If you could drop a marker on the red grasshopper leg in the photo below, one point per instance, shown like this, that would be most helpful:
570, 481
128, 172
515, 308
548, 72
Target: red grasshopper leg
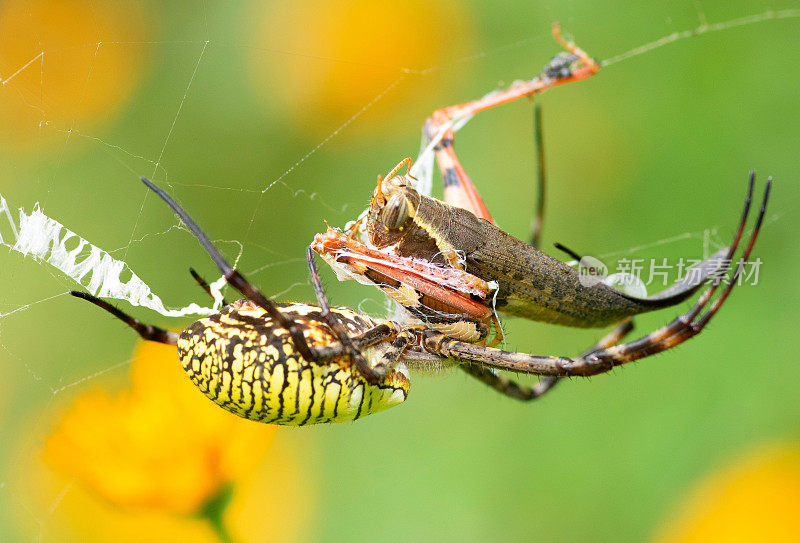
459, 190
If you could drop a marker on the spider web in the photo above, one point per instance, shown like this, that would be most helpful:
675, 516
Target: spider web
146, 253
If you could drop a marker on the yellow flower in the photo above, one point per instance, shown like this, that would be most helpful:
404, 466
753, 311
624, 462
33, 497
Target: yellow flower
756, 499
275, 502
160, 444
149, 460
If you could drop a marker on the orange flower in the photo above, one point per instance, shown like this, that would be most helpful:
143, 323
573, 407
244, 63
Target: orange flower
756, 499
59, 67
160, 444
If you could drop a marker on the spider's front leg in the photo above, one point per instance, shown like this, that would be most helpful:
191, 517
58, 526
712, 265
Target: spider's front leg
572, 65
514, 389
676, 332
252, 293
373, 375
234, 278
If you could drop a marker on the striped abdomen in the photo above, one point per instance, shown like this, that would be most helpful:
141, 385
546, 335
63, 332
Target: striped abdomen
248, 365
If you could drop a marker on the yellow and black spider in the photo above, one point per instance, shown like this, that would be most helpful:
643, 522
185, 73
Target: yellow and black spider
298, 364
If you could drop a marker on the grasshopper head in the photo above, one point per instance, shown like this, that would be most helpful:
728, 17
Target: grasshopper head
392, 209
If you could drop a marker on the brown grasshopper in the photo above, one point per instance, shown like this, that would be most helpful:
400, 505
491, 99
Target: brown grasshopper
412, 239
458, 305
497, 270
459, 233
530, 283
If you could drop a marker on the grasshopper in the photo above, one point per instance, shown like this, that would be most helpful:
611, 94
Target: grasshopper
412, 239
489, 269
531, 284
454, 307
460, 234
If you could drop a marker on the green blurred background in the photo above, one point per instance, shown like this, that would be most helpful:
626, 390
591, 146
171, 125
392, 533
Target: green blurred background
217, 101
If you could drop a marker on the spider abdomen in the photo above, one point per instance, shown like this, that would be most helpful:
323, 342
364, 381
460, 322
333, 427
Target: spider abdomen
246, 363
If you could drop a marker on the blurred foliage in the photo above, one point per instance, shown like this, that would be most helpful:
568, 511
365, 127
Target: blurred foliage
220, 101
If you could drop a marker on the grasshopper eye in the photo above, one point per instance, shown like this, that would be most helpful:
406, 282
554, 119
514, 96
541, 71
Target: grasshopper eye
397, 210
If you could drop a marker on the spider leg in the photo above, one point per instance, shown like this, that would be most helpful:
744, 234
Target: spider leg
676, 332
366, 371
236, 279
688, 325
514, 389
146, 331
366, 339
541, 177
507, 386
204, 285
398, 350
572, 254
395, 352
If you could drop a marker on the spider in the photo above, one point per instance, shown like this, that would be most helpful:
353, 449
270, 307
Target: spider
293, 363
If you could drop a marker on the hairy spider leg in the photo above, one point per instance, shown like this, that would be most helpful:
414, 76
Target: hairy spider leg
252, 293
676, 332
366, 339
372, 375
514, 389
234, 278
